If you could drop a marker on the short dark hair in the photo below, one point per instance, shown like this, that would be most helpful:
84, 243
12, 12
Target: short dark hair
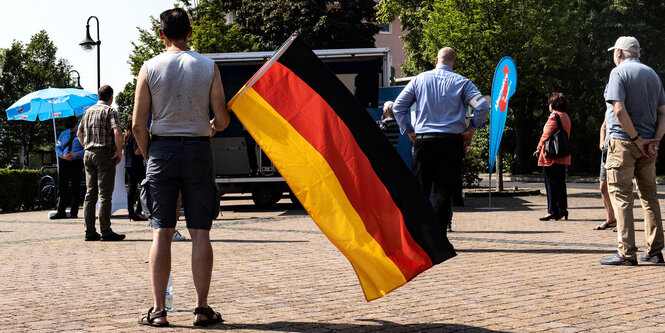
174, 23
70, 122
105, 93
558, 101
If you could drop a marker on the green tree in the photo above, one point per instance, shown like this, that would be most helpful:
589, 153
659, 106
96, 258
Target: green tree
601, 23
148, 45
557, 46
323, 24
27, 68
538, 34
414, 15
210, 34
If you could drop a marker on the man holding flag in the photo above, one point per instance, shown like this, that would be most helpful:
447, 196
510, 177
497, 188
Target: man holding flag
440, 134
179, 88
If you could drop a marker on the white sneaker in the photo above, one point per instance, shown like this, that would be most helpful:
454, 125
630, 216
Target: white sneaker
178, 237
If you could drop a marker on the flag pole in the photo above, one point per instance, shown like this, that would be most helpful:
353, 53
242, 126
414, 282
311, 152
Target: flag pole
267, 65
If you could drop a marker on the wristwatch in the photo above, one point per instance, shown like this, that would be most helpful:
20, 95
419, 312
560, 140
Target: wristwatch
635, 138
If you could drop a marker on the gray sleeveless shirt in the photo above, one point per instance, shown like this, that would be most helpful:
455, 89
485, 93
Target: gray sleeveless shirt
180, 83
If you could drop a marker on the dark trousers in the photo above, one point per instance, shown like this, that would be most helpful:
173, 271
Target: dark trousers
70, 171
437, 166
555, 185
135, 175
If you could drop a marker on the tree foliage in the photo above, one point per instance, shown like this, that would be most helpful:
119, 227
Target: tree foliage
323, 24
557, 46
148, 45
414, 15
601, 23
25, 68
210, 34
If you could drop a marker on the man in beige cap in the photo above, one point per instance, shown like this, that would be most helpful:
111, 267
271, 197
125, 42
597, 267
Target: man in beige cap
635, 129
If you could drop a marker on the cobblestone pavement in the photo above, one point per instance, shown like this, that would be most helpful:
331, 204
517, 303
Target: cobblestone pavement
275, 272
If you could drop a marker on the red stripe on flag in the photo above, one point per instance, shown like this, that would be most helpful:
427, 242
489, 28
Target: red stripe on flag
318, 123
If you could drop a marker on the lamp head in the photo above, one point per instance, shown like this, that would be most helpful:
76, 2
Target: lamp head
87, 44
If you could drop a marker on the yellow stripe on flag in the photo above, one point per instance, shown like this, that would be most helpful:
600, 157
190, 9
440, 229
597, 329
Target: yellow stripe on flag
318, 189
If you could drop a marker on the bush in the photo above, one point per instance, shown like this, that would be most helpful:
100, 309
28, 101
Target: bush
476, 160
18, 189
472, 165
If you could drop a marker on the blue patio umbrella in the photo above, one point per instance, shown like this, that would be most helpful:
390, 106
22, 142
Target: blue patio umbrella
51, 103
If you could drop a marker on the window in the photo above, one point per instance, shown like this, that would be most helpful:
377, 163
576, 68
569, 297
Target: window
385, 28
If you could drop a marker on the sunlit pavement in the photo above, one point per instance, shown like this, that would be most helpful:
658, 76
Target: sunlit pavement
274, 271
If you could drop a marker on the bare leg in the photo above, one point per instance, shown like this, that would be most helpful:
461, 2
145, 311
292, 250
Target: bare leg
202, 258
606, 201
160, 267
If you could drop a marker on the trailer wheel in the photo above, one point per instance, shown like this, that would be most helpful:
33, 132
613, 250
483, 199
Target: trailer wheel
265, 196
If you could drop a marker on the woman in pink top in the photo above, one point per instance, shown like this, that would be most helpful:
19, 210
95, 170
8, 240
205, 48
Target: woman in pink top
555, 168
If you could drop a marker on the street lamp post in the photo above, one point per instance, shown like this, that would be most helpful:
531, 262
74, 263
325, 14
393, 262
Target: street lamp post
78, 78
88, 44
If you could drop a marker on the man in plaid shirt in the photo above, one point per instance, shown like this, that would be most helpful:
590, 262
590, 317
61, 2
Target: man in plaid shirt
101, 136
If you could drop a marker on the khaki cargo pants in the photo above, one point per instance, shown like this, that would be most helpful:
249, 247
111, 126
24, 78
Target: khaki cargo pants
625, 161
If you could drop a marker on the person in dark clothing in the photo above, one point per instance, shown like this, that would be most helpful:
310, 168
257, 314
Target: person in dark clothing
70, 157
554, 169
388, 124
135, 171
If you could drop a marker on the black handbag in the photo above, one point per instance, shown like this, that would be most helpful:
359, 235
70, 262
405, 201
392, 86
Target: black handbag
557, 145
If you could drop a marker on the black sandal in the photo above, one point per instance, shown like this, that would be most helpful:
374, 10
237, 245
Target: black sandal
606, 225
149, 319
212, 317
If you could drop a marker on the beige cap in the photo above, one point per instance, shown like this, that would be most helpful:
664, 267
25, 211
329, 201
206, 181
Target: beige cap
627, 43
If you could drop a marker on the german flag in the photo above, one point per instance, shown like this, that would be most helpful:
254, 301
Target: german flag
343, 170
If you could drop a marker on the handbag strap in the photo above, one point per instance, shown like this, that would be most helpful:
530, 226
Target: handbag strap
558, 122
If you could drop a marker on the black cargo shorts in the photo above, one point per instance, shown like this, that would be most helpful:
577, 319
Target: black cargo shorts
174, 165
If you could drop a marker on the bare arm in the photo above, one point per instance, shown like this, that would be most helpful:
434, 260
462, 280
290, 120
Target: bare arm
218, 103
660, 123
652, 148
603, 132
117, 133
81, 136
624, 119
142, 102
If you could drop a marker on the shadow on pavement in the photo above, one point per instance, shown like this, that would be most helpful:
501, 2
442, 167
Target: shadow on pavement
506, 204
254, 241
288, 208
537, 251
587, 207
597, 195
508, 232
286, 326
257, 241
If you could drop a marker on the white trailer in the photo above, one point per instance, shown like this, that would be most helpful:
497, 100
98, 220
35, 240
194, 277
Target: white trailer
240, 165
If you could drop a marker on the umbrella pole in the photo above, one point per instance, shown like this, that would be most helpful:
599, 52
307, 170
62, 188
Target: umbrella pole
55, 136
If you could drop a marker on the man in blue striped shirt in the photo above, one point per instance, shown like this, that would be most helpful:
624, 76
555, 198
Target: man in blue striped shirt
439, 132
